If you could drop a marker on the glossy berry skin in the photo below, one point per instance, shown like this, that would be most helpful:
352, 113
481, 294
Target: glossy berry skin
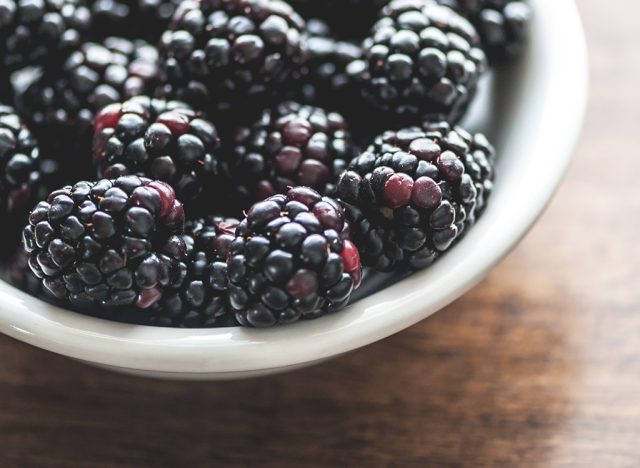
162, 140
292, 144
291, 260
421, 60
503, 24
221, 53
132, 18
60, 107
40, 32
197, 295
414, 192
110, 243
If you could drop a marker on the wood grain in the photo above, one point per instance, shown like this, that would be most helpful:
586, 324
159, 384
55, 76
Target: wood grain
538, 366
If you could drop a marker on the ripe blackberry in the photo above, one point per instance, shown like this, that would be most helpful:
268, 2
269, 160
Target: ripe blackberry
162, 140
323, 79
290, 145
414, 192
20, 161
61, 108
40, 32
197, 296
127, 16
222, 53
110, 242
503, 24
421, 60
291, 260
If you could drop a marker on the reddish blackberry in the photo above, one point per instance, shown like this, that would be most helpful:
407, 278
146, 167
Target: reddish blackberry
290, 145
502, 24
127, 17
421, 60
197, 296
110, 242
219, 53
162, 140
414, 192
40, 32
61, 108
290, 260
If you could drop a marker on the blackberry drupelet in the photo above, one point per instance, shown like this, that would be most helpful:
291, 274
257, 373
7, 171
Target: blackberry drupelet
162, 140
61, 107
291, 260
414, 192
290, 145
197, 296
110, 243
503, 24
221, 53
422, 60
132, 18
40, 32
323, 79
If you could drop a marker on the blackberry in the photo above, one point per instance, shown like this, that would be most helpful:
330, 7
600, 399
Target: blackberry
323, 79
422, 60
20, 162
348, 18
110, 242
162, 140
40, 32
290, 145
61, 108
414, 192
127, 17
197, 296
222, 53
502, 24
291, 260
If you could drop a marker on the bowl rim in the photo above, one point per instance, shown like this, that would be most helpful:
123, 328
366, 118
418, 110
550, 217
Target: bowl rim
557, 39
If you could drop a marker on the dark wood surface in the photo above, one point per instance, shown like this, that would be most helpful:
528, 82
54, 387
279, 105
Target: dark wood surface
537, 366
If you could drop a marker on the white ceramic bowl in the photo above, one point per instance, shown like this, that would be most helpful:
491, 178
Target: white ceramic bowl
533, 111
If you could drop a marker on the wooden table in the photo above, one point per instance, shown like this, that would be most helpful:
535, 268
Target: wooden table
538, 366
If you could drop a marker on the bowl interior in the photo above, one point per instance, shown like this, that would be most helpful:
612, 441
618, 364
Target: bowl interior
533, 113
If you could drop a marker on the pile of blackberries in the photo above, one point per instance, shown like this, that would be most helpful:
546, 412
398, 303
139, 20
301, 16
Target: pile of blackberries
207, 163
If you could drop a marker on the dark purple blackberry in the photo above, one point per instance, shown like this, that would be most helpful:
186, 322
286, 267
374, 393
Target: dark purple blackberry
111, 242
422, 60
348, 18
291, 260
162, 140
132, 18
290, 145
413, 193
197, 297
503, 24
323, 79
20, 179
40, 32
61, 107
221, 53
